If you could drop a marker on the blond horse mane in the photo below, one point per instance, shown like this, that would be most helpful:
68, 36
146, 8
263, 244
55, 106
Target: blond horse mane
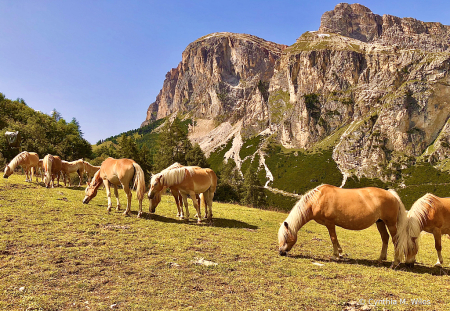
18, 160
417, 217
300, 212
174, 176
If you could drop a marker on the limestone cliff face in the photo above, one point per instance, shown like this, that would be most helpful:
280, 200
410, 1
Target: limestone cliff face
218, 77
374, 88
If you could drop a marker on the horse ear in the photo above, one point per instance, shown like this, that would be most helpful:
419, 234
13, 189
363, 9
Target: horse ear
286, 225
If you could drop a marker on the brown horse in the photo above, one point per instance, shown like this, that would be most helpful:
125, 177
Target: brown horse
116, 172
71, 167
189, 180
430, 213
28, 160
353, 209
90, 170
175, 193
52, 169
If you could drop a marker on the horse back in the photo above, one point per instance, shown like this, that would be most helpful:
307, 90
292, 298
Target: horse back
117, 170
355, 208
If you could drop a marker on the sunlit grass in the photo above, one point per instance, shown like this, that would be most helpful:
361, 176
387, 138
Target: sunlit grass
58, 254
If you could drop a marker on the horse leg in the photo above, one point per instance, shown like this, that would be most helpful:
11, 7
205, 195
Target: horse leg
116, 194
393, 231
108, 193
196, 205
127, 190
184, 197
178, 201
337, 250
384, 238
437, 244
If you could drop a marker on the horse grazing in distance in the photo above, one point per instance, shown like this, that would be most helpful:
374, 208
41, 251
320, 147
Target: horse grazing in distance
28, 160
90, 170
429, 213
189, 180
52, 169
353, 209
175, 193
71, 167
115, 172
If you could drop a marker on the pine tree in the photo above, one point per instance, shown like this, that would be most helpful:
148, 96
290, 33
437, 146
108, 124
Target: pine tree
253, 191
229, 188
196, 157
163, 156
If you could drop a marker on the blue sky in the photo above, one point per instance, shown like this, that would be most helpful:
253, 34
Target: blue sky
104, 62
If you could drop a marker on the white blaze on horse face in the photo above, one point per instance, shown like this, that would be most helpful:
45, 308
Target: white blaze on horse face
7, 172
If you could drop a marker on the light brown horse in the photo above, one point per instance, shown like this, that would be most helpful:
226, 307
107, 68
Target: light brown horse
175, 193
90, 170
430, 213
190, 181
52, 169
71, 167
353, 209
28, 160
118, 172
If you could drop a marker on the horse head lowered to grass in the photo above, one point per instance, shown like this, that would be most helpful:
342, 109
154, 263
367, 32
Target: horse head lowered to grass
353, 209
118, 172
156, 198
28, 160
429, 213
188, 180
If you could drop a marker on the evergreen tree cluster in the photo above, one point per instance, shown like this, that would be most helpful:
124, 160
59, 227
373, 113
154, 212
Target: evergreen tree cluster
40, 133
234, 188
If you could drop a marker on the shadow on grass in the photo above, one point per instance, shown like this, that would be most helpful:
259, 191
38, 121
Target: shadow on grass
217, 222
418, 268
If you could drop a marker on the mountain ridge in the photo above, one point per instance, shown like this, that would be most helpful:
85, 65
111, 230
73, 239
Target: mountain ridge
382, 79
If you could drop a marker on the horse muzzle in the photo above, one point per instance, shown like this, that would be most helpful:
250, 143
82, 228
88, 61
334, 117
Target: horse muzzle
5, 176
282, 253
86, 200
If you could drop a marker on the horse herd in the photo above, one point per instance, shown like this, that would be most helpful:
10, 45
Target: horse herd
199, 183
353, 209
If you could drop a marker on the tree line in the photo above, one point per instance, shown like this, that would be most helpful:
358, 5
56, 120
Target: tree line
52, 134
40, 132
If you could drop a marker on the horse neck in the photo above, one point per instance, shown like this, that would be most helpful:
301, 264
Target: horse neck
18, 159
299, 215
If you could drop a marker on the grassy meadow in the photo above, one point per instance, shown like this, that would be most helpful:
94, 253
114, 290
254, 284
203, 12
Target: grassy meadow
58, 254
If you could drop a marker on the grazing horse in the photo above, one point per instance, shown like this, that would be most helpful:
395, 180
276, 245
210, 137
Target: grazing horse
353, 209
116, 172
189, 180
430, 213
175, 193
28, 160
71, 167
90, 170
52, 169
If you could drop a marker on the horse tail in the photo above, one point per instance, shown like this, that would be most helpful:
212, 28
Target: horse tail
401, 236
139, 181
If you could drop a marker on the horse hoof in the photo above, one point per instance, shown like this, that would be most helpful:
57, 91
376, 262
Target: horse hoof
335, 258
438, 264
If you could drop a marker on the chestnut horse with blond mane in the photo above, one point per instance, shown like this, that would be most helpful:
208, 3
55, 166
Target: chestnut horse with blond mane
52, 169
188, 180
175, 193
28, 160
352, 209
71, 167
118, 172
430, 213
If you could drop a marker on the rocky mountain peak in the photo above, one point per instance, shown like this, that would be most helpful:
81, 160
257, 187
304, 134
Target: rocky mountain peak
358, 22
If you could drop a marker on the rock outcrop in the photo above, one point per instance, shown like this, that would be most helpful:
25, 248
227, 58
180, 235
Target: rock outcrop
374, 88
